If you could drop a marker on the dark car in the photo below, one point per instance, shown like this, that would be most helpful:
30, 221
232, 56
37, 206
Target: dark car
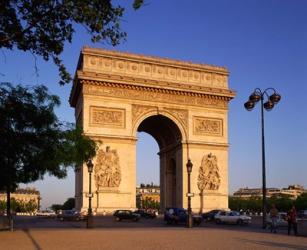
145, 214
126, 215
179, 215
209, 216
70, 215
302, 214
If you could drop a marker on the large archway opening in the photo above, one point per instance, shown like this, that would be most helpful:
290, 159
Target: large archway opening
169, 138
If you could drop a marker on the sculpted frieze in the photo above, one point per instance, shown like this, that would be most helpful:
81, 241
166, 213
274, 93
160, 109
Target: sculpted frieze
107, 117
207, 126
107, 169
152, 70
155, 95
209, 174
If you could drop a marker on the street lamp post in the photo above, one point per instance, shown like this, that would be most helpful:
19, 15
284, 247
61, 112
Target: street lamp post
89, 223
189, 170
273, 99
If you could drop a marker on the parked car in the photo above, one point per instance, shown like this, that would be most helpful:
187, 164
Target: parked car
232, 217
175, 215
145, 214
46, 213
209, 216
281, 220
70, 215
302, 214
126, 215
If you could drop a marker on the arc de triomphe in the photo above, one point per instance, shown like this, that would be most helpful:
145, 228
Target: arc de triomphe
183, 105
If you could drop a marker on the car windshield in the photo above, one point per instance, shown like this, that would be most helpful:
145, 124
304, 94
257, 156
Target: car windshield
234, 213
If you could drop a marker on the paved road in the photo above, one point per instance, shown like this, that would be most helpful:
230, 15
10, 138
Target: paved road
42, 233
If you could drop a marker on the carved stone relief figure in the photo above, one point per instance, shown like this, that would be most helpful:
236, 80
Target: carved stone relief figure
182, 115
139, 110
209, 176
107, 169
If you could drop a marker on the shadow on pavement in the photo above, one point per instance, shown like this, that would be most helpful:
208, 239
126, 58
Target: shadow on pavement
273, 244
35, 244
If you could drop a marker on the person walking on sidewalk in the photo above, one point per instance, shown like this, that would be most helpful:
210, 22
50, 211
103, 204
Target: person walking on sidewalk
292, 222
274, 216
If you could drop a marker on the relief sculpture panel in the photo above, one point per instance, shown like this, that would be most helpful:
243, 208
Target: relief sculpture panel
181, 114
107, 169
107, 117
140, 110
207, 126
209, 175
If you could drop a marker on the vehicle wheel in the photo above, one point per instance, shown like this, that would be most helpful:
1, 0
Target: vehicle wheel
240, 222
197, 223
117, 219
218, 221
61, 219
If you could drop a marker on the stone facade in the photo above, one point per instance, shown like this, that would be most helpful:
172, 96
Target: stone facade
184, 106
148, 192
24, 195
292, 191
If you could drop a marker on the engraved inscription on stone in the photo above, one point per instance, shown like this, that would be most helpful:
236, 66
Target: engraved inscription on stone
107, 117
207, 126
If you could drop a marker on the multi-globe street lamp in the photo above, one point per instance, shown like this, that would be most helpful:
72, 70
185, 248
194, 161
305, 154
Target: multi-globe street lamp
89, 223
272, 99
189, 170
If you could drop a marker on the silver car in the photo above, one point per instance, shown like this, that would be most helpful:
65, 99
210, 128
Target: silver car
232, 217
281, 220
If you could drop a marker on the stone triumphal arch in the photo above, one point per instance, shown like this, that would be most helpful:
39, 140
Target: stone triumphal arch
183, 105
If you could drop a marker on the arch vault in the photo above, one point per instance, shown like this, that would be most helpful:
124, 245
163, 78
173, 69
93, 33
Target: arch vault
184, 106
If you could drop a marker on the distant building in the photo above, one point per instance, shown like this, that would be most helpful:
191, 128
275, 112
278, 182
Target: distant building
293, 191
147, 192
24, 195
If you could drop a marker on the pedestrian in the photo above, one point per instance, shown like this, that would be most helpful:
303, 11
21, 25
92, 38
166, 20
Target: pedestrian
274, 217
292, 222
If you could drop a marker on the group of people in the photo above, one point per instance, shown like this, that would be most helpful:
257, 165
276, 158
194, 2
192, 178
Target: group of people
291, 219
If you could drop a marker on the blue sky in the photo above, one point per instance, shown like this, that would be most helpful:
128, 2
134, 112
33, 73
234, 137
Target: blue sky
263, 43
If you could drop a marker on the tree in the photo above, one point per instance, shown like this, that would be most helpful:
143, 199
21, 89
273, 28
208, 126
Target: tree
149, 203
69, 204
56, 207
43, 26
2, 207
301, 201
33, 141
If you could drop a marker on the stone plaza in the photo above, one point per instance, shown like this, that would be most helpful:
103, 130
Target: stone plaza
43, 233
